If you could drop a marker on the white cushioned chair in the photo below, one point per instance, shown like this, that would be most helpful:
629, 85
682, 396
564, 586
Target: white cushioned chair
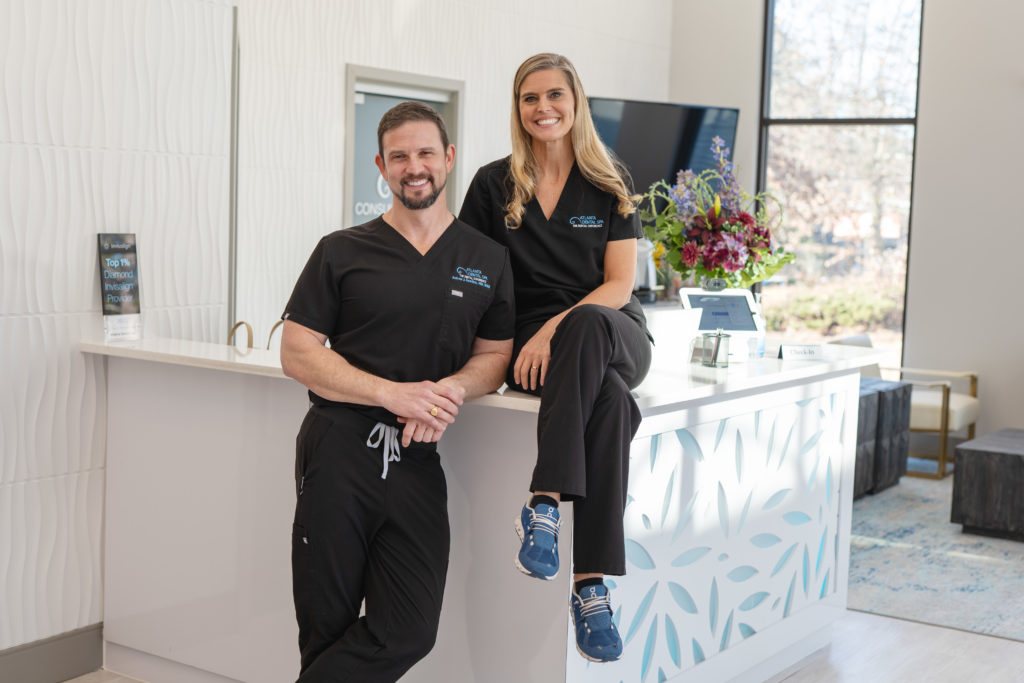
936, 409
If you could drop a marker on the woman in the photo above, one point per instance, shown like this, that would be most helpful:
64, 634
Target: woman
561, 206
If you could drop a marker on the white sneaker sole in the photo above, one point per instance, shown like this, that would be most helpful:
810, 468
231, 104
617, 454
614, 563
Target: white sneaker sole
595, 659
521, 533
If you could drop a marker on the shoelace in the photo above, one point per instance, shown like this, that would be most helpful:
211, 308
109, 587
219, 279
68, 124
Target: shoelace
546, 523
389, 449
595, 604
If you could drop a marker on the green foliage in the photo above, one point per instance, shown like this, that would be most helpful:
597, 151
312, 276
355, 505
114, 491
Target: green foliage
860, 308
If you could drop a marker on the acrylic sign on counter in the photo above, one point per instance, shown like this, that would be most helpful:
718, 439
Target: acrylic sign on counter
119, 287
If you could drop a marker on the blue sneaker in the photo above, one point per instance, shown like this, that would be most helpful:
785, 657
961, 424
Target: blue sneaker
537, 529
597, 639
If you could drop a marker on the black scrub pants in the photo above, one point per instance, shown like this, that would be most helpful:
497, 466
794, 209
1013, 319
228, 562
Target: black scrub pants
360, 536
586, 422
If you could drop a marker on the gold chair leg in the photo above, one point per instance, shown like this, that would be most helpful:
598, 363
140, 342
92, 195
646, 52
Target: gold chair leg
944, 432
943, 444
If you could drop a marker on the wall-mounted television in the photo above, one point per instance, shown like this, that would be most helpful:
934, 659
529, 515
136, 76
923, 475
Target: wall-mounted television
656, 140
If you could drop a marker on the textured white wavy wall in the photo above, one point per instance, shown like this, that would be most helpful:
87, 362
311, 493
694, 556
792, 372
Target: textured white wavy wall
114, 117
292, 103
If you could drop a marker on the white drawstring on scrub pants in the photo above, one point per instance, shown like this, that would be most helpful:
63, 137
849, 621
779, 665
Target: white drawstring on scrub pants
389, 448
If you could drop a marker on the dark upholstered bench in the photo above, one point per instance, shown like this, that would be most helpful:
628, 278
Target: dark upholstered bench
880, 464
988, 484
867, 430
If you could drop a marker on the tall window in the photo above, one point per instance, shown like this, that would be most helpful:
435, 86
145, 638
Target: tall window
837, 149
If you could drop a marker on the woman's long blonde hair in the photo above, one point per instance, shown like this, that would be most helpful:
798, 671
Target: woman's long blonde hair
592, 157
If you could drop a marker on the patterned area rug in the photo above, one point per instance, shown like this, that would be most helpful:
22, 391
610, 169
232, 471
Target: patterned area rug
908, 560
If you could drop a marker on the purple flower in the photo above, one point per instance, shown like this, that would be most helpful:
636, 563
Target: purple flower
683, 195
726, 251
690, 254
758, 237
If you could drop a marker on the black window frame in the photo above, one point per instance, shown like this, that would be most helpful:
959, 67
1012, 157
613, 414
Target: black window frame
765, 122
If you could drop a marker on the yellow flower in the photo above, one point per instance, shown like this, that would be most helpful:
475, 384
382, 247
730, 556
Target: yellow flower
658, 254
718, 206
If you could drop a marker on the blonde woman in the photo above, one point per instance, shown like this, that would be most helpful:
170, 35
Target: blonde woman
563, 208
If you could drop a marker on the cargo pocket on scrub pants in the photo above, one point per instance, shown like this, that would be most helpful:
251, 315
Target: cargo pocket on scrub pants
311, 435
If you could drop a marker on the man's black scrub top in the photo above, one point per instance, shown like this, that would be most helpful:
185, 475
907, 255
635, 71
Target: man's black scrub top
556, 261
399, 314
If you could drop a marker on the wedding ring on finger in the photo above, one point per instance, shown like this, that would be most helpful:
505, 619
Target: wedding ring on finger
433, 411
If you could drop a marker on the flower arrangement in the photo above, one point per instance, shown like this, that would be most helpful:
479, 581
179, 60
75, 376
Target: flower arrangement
708, 229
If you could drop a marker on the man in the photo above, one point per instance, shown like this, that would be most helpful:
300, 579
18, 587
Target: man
418, 309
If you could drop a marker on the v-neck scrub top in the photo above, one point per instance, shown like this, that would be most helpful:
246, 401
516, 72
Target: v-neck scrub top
399, 314
558, 260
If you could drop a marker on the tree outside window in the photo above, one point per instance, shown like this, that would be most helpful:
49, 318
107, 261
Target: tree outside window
837, 143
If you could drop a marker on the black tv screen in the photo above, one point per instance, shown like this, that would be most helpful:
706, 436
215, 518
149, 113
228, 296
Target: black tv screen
656, 140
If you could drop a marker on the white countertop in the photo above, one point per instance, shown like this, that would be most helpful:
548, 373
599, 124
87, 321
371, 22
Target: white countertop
671, 382
191, 353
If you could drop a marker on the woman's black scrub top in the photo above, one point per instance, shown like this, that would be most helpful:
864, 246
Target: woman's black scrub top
559, 260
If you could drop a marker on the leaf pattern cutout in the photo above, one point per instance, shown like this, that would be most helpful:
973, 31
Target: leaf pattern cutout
667, 500
789, 596
796, 518
771, 444
691, 556
814, 473
672, 640
743, 515
713, 606
690, 445
641, 612
807, 570
698, 654
652, 637
742, 573
685, 517
723, 510
828, 483
765, 540
821, 552
811, 442
726, 632
785, 558
753, 601
776, 499
638, 556
682, 598
785, 447
655, 447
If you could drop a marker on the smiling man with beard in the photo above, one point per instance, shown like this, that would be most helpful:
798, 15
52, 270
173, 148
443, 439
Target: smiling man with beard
419, 313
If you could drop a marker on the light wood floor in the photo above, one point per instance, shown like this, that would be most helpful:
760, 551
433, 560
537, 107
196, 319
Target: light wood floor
868, 648
871, 649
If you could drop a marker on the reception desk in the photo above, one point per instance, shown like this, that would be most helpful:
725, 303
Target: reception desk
737, 523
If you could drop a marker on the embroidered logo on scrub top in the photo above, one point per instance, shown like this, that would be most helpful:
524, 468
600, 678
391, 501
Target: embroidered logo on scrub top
473, 276
586, 222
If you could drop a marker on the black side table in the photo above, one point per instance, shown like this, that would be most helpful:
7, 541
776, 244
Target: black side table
892, 431
867, 436
988, 484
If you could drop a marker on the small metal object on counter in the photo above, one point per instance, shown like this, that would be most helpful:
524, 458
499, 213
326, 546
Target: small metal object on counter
715, 349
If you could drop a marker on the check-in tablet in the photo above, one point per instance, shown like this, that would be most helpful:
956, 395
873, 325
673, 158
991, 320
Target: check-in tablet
731, 310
